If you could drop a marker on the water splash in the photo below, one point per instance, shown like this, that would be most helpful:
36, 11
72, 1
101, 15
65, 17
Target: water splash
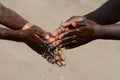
49, 75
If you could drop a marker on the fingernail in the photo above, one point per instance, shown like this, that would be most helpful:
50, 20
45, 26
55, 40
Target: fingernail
57, 42
59, 64
60, 46
54, 43
67, 29
47, 37
55, 33
63, 63
57, 58
60, 37
57, 37
51, 40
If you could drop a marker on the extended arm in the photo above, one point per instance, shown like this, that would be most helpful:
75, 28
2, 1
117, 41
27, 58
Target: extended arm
8, 34
69, 36
11, 19
33, 38
108, 13
73, 37
111, 32
32, 35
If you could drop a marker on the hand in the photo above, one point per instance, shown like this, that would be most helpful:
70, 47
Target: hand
70, 35
36, 38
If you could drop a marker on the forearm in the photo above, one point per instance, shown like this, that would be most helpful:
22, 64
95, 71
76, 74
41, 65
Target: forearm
8, 34
11, 19
108, 13
110, 32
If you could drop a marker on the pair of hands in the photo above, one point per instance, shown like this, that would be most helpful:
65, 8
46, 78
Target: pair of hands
68, 36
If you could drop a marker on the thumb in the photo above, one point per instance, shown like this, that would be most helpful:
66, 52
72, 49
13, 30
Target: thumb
47, 36
66, 24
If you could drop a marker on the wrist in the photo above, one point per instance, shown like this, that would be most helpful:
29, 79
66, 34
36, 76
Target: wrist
2, 33
99, 32
27, 26
8, 34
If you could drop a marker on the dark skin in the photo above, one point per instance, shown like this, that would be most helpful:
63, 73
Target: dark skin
11, 19
33, 36
100, 26
107, 14
71, 38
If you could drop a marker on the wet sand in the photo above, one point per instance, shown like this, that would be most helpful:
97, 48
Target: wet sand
98, 60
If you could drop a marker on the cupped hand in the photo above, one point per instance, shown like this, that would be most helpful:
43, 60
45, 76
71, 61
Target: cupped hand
37, 39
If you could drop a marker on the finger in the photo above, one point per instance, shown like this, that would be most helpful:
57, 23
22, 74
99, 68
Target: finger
68, 39
78, 32
50, 60
57, 42
54, 43
74, 44
59, 63
47, 37
66, 24
81, 23
59, 31
61, 55
59, 36
51, 40
44, 35
69, 44
70, 33
57, 58
71, 23
63, 63
56, 36
60, 59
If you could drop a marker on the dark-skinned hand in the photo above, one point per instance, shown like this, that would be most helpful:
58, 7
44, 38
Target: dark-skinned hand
37, 39
70, 35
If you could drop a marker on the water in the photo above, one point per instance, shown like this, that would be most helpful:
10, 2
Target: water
49, 75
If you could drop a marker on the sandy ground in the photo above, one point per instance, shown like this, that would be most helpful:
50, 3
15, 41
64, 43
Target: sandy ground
98, 60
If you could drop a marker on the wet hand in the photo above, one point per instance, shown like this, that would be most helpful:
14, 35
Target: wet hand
70, 35
36, 38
